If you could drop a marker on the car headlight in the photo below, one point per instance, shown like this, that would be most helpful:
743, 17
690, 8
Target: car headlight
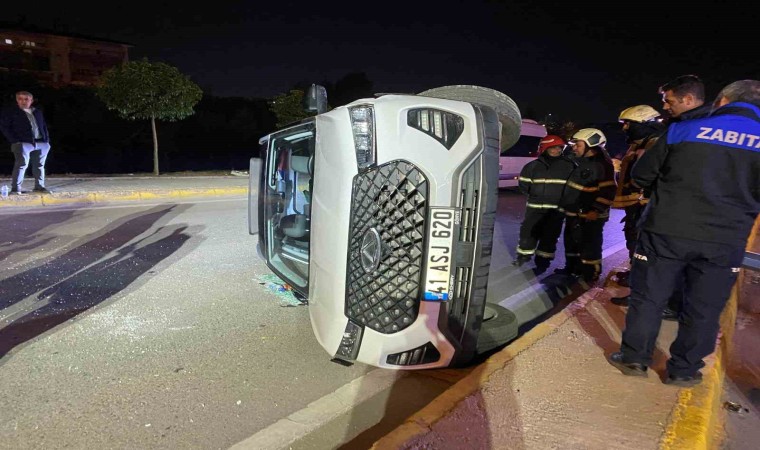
363, 127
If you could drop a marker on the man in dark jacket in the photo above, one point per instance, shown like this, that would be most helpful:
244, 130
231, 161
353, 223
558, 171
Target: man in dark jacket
25, 128
586, 203
683, 98
705, 200
543, 181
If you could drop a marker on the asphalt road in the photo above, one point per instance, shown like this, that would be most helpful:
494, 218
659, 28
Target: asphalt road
145, 326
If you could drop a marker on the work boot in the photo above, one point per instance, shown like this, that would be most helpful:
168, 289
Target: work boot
622, 278
669, 314
684, 381
520, 260
630, 369
621, 301
542, 265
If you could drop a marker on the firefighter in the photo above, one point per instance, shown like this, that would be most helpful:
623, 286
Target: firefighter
543, 181
586, 203
705, 200
642, 127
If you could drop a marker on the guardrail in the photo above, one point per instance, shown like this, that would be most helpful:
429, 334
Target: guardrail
751, 261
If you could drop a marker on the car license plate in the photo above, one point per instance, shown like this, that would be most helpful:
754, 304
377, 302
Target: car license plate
438, 279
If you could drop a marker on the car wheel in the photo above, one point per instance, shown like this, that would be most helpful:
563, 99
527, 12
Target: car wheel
499, 327
505, 107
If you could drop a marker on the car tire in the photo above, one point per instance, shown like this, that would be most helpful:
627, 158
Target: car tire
499, 328
505, 107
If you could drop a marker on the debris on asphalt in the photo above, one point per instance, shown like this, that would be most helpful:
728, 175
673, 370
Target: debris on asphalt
239, 173
283, 290
734, 407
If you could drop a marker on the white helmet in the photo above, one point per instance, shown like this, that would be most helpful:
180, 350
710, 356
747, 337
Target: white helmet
639, 113
591, 136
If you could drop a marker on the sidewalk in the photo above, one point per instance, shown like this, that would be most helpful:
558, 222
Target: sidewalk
553, 388
95, 189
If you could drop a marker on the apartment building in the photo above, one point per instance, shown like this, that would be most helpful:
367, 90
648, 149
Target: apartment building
58, 58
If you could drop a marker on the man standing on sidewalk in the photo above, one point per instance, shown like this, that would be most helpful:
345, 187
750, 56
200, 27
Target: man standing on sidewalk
25, 128
705, 200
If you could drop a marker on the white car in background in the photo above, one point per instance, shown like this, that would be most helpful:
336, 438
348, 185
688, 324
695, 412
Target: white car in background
381, 214
513, 159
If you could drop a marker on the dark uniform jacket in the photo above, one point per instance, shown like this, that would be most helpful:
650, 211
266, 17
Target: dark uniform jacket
705, 176
543, 180
627, 193
15, 125
591, 186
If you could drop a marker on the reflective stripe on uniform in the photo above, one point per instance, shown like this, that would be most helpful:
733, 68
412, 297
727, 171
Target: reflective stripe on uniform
572, 255
601, 215
550, 181
607, 183
582, 188
621, 201
525, 252
603, 201
541, 206
592, 262
546, 255
542, 180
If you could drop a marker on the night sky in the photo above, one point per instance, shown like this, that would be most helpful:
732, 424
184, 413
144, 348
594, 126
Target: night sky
583, 63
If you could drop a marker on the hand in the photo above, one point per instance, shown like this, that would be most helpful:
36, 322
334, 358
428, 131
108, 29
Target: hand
592, 215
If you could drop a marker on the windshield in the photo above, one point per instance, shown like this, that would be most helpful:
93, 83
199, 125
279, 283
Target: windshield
287, 215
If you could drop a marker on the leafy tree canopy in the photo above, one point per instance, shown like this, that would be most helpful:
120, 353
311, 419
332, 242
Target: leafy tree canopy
288, 108
145, 90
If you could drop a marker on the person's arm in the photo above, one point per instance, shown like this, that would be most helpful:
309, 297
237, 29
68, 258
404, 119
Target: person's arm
525, 180
607, 187
646, 170
5, 126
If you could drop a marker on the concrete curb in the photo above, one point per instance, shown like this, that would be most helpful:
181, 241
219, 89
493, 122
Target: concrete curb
421, 423
57, 199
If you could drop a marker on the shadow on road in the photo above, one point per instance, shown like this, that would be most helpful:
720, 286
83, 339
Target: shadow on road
80, 278
22, 231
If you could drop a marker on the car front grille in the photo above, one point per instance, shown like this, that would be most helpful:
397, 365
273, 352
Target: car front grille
392, 200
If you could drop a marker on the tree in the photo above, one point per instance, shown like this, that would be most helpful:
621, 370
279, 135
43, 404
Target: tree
140, 90
288, 108
350, 87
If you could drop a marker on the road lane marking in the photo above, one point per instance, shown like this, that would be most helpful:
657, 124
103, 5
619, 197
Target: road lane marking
320, 412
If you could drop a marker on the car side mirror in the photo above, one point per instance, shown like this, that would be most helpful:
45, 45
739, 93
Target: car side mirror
316, 99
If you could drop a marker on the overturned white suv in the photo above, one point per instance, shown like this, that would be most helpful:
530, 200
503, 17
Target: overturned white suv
381, 214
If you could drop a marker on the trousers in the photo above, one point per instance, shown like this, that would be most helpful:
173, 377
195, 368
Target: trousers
705, 270
24, 153
583, 246
539, 233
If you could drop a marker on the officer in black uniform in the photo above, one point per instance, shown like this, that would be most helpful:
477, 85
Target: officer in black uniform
543, 181
705, 200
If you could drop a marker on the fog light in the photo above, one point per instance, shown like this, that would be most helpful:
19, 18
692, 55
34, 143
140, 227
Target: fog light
349, 343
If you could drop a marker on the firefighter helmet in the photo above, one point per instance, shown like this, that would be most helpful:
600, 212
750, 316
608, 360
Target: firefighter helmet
639, 113
591, 136
550, 140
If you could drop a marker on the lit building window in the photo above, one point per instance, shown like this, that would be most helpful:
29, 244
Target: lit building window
29, 43
9, 41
